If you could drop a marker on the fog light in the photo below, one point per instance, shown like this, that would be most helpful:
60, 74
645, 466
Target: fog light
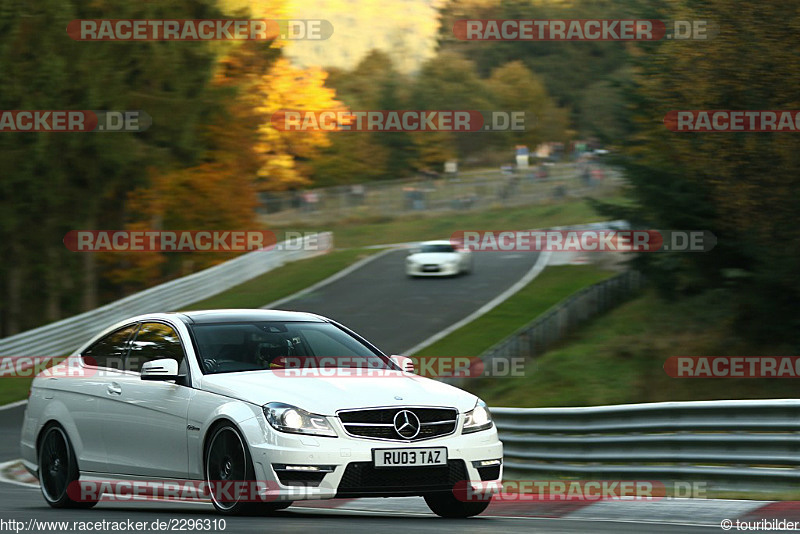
305, 468
486, 463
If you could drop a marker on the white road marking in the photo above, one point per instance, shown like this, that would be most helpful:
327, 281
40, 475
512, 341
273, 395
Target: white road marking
538, 267
13, 405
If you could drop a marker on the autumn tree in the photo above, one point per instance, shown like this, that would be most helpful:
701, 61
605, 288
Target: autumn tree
374, 84
451, 82
591, 79
514, 87
285, 154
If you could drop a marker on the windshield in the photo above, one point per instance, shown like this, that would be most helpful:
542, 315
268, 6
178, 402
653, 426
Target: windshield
255, 346
437, 248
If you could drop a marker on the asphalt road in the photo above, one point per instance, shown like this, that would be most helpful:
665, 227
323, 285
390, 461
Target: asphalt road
396, 312
10, 426
23, 504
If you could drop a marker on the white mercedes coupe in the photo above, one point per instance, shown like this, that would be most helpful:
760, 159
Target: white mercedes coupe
212, 397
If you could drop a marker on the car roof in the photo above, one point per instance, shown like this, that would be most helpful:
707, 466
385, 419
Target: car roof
439, 242
245, 315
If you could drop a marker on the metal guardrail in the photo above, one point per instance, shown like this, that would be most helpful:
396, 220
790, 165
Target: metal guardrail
62, 337
535, 337
731, 445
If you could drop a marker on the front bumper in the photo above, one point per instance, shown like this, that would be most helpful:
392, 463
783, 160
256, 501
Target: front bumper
345, 466
422, 270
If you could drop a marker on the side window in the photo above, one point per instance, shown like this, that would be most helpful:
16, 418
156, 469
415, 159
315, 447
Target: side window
154, 341
110, 350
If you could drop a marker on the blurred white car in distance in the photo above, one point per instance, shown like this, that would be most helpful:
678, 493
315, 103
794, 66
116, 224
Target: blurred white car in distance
438, 258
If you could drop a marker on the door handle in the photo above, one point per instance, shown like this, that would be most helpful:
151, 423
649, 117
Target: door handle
114, 389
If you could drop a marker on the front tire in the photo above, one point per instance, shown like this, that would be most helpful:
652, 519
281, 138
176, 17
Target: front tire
447, 505
58, 468
228, 459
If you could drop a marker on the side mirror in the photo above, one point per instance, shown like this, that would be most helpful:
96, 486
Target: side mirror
403, 362
165, 369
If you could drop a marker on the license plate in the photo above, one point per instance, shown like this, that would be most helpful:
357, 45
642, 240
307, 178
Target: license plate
410, 457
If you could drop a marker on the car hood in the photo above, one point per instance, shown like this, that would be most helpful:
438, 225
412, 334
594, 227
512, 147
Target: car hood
434, 257
326, 395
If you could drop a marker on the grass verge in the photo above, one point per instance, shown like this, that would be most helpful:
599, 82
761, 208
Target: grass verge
619, 358
553, 285
15, 388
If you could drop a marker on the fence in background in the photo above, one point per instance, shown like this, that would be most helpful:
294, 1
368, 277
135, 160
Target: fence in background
736, 445
62, 337
472, 190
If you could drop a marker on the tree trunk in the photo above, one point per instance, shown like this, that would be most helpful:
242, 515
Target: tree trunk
89, 301
14, 292
53, 306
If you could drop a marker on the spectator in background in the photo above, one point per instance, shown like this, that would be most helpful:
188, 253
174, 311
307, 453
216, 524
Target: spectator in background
357, 194
310, 199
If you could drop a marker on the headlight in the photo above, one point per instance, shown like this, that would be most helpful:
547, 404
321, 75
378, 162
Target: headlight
288, 418
477, 419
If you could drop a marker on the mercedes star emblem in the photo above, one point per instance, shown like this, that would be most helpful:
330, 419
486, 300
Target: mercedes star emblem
406, 424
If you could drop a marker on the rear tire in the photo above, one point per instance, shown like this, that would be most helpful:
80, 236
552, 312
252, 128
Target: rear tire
58, 468
447, 505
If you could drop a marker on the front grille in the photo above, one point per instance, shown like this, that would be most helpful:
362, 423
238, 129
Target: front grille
431, 268
378, 423
363, 479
